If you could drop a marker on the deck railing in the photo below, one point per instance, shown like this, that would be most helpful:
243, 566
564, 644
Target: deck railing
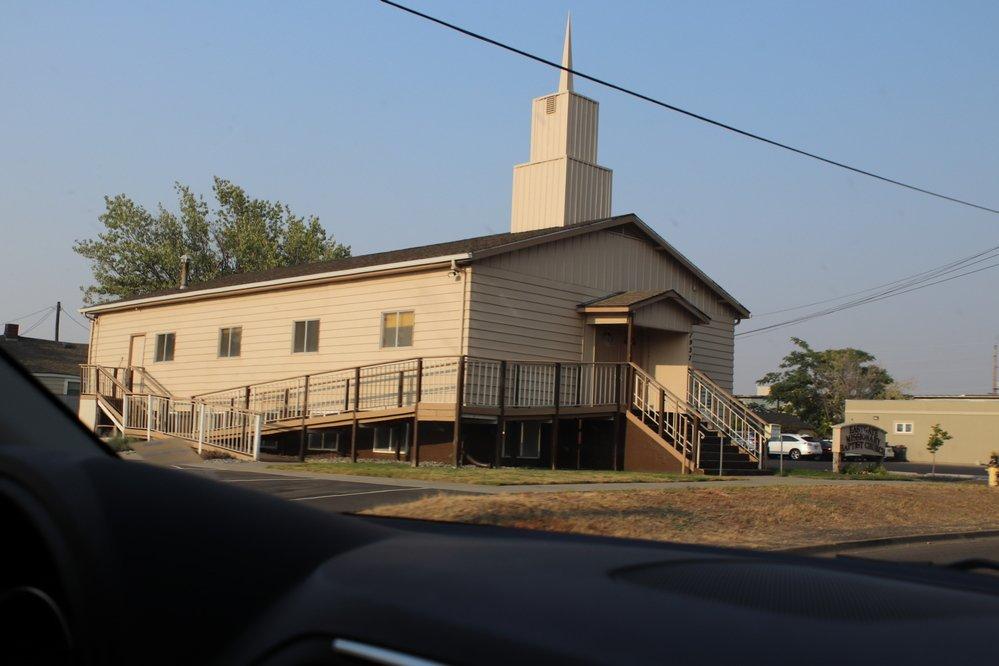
400, 384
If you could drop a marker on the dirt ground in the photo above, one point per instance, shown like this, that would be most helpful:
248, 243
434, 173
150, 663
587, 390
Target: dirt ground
750, 517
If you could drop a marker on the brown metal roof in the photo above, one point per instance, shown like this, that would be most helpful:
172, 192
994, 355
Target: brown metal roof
46, 356
478, 247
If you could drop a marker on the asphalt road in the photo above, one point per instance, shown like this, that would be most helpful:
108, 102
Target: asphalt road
326, 494
929, 552
918, 468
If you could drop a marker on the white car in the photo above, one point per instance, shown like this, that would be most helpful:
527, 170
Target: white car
795, 446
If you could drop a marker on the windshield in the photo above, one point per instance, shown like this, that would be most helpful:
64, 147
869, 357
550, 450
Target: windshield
335, 292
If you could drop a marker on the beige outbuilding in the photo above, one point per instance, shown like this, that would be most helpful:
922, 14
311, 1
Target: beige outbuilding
972, 422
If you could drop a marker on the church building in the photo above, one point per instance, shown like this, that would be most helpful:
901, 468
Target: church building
577, 339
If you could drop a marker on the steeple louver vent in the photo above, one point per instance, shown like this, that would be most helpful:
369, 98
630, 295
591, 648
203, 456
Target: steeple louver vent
550, 104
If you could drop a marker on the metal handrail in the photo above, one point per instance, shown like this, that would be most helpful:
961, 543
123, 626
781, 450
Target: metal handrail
681, 432
726, 413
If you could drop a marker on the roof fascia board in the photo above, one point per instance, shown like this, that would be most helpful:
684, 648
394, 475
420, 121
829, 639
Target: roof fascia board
278, 283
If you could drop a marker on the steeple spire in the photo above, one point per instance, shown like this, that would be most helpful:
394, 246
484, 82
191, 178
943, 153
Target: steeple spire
565, 78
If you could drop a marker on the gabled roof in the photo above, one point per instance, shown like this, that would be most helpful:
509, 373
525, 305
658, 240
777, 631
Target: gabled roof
46, 356
629, 301
462, 251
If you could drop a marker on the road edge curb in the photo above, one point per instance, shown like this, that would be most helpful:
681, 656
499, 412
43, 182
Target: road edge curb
888, 541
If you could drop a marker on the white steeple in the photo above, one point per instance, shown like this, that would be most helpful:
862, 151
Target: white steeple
562, 184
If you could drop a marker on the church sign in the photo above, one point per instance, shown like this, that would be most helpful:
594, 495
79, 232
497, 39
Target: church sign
860, 439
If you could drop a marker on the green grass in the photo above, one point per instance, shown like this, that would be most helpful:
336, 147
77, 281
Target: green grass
503, 476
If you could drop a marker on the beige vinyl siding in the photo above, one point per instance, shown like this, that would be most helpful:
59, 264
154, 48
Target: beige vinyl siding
517, 315
601, 263
712, 350
350, 315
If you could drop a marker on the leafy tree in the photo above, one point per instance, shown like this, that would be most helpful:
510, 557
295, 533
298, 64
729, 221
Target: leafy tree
139, 251
814, 385
937, 438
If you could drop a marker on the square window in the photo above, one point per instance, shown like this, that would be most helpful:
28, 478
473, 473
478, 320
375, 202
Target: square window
397, 328
230, 341
164, 347
72, 387
306, 337
391, 438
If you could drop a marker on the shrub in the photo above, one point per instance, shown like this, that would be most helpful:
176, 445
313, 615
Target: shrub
215, 454
120, 443
862, 469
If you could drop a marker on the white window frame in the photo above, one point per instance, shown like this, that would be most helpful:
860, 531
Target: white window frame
218, 345
305, 337
67, 382
381, 330
903, 428
156, 347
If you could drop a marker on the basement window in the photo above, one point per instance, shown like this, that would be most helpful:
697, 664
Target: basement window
903, 428
306, 336
397, 328
390, 438
164, 346
230, 341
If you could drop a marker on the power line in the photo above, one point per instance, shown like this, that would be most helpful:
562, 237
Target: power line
864, 301
880, 286
30, 314
37, 323
74, 320
691, 114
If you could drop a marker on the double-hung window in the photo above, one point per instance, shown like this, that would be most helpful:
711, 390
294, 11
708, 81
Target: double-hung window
397, 328
164, 346
306, 336
230, 341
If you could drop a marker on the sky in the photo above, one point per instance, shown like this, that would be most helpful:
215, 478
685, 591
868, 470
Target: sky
396, 133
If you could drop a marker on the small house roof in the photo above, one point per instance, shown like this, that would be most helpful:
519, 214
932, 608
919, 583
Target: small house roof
40, 356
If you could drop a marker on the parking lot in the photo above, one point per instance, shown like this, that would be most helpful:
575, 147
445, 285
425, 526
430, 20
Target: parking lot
891, 466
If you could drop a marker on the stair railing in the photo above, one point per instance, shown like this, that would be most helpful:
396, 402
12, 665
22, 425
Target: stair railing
727, 414
673, 419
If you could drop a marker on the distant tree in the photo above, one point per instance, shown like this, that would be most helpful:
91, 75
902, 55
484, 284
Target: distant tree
899, 390
814, 385
937, 438
139, 251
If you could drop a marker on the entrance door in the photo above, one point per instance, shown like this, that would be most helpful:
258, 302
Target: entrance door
610, 344
136, 354
136, 350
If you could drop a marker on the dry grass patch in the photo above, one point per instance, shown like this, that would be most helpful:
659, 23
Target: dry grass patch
751, 517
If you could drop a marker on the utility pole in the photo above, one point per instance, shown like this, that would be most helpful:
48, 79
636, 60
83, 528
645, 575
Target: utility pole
995, 369
59, 311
